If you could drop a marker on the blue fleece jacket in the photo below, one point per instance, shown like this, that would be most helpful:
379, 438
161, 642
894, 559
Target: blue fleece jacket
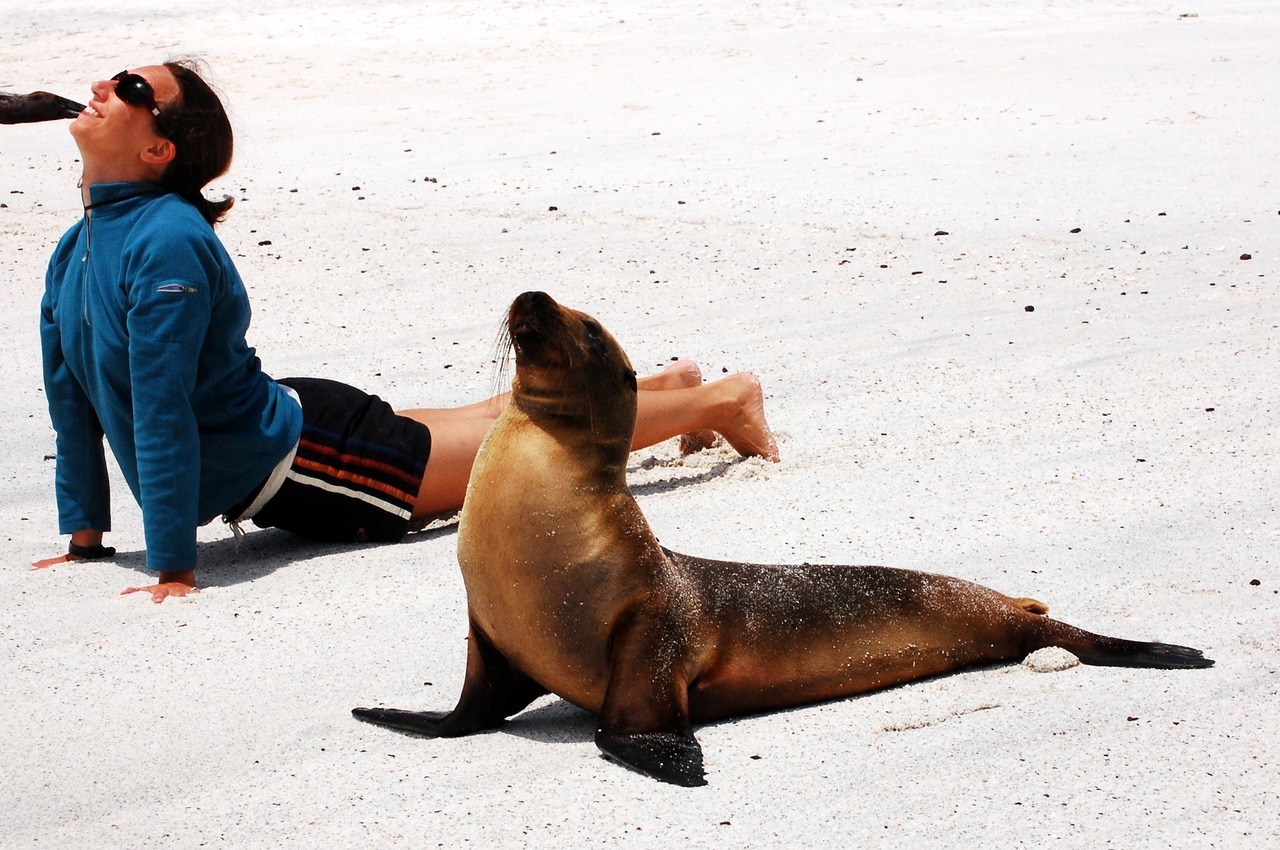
143, 327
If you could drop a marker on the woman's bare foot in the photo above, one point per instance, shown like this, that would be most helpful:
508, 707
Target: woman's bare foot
696, 441
681, 374
745, 427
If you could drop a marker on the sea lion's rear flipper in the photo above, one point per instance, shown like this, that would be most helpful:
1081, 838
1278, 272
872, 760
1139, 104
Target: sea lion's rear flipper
1104, 651
37, 106
492, 691
644, 722
1117, 652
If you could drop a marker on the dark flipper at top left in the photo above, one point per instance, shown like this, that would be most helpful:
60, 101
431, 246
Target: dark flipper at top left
37, 106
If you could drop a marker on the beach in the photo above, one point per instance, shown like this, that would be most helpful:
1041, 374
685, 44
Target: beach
1007, 273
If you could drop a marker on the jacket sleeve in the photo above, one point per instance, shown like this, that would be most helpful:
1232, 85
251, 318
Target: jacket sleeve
171, 286
80, 482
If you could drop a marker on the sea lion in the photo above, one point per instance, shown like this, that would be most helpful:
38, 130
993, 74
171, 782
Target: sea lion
568, 590
37, 106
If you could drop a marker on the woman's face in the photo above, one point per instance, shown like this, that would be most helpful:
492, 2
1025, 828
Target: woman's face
114, 134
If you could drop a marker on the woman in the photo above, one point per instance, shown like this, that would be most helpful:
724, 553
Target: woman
143, 327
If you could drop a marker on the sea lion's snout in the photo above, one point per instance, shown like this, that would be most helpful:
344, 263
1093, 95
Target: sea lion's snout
529, 323
533, 300
530, 305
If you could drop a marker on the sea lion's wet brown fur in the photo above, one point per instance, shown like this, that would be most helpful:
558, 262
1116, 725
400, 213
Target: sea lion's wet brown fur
568, 590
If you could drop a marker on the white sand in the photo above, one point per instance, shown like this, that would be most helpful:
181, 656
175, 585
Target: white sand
754, 186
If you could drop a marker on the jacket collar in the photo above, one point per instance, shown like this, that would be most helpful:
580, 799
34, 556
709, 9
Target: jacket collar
106, 194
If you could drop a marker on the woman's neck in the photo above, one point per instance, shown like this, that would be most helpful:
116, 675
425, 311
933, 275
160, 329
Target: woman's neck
94, 174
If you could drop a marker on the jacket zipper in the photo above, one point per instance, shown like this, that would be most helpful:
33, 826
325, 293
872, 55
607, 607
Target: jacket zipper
84, 272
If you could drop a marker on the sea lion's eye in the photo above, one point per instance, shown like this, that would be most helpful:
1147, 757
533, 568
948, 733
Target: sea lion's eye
595, 337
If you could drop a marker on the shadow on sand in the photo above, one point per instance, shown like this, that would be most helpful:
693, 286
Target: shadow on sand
226, 562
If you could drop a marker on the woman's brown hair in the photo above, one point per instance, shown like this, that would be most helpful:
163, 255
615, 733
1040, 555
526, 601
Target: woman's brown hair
198, 126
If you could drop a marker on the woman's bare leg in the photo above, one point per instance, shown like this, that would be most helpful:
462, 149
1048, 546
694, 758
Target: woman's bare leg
667, 406
681, 374
456, 435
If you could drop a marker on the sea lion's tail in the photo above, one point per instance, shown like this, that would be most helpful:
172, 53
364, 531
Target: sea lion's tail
1103, 651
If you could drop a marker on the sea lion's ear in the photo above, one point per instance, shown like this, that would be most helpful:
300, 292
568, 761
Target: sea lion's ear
630, 377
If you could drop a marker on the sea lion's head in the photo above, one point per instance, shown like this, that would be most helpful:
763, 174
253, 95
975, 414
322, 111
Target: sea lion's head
570, 369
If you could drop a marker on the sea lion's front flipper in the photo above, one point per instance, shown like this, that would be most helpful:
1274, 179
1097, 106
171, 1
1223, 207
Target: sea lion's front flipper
674, 757
428, 723
644, 722
492, 691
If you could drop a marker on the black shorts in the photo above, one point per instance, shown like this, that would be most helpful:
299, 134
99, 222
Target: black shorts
358, 468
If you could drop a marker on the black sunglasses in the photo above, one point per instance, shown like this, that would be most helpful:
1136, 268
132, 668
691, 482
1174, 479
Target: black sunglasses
136, 91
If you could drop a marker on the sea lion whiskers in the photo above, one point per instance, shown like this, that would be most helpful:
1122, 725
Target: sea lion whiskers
505, 344
502, 347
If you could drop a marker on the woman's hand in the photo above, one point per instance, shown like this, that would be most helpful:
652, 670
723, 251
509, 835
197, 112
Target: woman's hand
170, 584
88, 538
49, 562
